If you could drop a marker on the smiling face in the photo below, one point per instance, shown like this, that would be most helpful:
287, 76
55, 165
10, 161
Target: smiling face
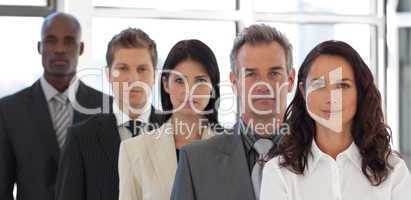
320, 101
132, 76
189, 87
264, 81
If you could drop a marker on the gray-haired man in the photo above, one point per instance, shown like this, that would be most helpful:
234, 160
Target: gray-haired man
229, 166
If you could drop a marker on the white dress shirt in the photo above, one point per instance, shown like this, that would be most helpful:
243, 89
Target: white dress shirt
122, 120
50, 92
329, 179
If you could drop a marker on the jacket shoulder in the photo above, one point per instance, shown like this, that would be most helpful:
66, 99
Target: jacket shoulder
146, 140
14, 98
210, 145
88, 127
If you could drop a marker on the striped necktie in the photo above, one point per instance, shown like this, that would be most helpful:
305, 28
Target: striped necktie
62, 119
262, 146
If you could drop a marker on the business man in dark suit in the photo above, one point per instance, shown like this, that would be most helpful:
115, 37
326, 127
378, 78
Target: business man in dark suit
89, 165
229, 166
33, 121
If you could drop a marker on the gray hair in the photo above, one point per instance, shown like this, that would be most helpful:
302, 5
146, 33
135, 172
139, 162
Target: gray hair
261, 34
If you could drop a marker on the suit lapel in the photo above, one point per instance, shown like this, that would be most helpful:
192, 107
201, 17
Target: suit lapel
163, 156
234, 164
109, 136
155, 118
207, 134
84, 99
39, 112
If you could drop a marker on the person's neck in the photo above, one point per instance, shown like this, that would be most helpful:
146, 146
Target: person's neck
60, 83
131, 112
186, 128
263, 126
331, 142
133, 116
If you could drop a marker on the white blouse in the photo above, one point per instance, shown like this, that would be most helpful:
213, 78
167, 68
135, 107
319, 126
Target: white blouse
329, 179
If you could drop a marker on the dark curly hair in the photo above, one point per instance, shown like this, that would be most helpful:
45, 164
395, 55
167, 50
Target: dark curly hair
369, 130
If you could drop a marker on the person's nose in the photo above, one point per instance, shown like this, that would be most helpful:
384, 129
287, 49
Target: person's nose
134, 76
262, 85
60, 48
262, 88
188, 89
327, 94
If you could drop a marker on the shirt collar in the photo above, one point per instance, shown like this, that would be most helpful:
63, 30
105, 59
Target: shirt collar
250, 137
122, 117
316, 155
352, 153
50, 91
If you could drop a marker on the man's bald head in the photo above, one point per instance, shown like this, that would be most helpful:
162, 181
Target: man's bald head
70, 20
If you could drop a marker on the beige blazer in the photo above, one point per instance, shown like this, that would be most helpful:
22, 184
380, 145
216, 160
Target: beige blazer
148, 163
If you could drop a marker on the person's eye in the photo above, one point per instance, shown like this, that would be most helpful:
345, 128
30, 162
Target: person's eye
317, 84
249, 74
275, 73
343, 85
141, 69
179, 80
202, 80
49, 41
122, 68
70, 41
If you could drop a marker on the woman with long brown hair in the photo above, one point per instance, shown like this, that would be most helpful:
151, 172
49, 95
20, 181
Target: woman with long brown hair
338, 145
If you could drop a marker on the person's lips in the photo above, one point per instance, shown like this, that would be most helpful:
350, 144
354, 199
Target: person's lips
59, 62
188, 103
135, 91
264, 99
331, 112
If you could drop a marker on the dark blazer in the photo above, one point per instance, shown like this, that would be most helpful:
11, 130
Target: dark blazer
29, 152
213, 169
88, 167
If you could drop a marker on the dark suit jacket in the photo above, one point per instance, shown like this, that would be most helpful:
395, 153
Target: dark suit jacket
213, 169
88, 167
29, 152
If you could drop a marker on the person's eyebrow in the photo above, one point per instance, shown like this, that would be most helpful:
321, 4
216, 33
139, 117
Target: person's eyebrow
50, 37
201, 76
336, 81
69, 37
250, 69
142, 65
121, 64
345, 80
275, 68
316, 79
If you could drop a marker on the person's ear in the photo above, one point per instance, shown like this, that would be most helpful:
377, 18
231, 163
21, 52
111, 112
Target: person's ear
81, 48
39, 48
153, 80
301, 88
165, 82
233, 80
291, 79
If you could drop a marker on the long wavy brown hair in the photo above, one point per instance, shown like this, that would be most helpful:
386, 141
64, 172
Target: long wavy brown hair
369, 130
